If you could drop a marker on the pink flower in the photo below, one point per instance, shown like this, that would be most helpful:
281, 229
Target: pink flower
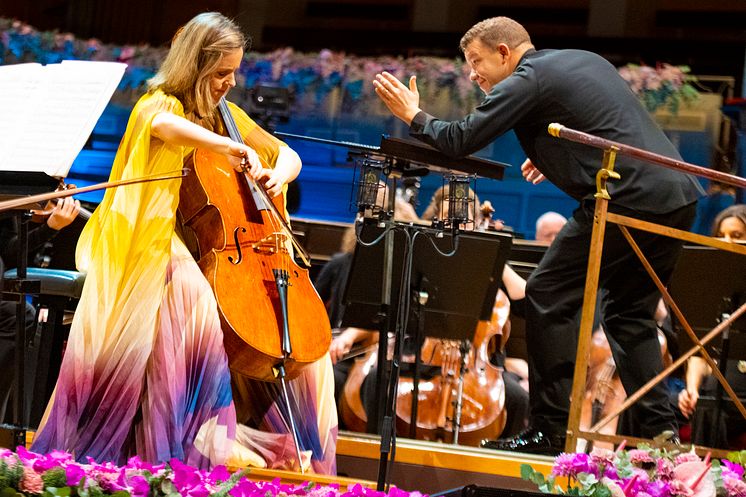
139, 485
603, 456
665, 469
31, 482
734, 487
680, 488
696, 476
571, 464
687, 457
639, 457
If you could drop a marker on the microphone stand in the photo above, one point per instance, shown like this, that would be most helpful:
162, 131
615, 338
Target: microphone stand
386, 399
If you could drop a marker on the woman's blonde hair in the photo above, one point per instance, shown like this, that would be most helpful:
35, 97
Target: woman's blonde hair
196, 51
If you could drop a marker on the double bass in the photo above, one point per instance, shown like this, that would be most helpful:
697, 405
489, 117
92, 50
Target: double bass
270, 312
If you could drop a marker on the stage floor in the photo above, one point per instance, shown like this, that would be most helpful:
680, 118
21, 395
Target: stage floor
432, 467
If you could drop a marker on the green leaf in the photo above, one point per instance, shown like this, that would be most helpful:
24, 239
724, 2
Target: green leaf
527, 472
59, 492
8, 492
601, 491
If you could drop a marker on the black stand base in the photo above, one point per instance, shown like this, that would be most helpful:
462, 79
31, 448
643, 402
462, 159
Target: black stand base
12, 436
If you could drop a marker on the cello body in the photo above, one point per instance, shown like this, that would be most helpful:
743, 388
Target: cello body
239, 248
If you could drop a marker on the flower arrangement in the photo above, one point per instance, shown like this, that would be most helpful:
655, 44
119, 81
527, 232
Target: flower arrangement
58, 475
664, 85
643, 472
314, 78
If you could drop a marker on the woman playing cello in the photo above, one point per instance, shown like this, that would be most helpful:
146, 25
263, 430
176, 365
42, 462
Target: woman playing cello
145, 372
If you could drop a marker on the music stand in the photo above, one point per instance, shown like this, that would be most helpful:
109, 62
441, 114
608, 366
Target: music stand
706, 285
703, 278
461, 290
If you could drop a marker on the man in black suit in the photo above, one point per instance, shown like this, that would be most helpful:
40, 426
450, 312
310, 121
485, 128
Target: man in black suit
526, 90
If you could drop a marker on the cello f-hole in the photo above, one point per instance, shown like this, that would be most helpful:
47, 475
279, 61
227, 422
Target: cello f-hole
238, 245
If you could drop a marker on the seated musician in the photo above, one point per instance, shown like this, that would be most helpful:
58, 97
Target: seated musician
729, 431
730, 224
40, 232
548, 225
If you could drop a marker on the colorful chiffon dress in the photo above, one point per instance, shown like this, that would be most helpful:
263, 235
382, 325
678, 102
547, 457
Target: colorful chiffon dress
145, 371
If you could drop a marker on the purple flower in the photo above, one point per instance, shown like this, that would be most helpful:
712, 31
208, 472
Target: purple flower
136, 463
139, 485
74, 473
637, 483
42, 463
731, 467
218, 474
189, 481
658, 488
246, 488
571, 464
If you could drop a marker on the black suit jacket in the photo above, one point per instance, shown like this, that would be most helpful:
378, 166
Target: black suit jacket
583, 91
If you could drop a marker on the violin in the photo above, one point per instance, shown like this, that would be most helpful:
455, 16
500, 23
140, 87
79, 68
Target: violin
271, 315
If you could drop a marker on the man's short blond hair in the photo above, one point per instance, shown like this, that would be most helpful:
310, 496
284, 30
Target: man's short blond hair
495, 30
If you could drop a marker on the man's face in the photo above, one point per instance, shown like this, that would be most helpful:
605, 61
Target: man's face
489, 65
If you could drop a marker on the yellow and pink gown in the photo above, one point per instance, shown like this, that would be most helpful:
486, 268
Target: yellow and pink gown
145, 372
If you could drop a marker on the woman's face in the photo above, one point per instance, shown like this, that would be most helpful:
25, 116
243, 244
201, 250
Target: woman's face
223, 79
732, 229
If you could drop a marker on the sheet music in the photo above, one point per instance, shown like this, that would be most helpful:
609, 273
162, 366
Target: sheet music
48, 112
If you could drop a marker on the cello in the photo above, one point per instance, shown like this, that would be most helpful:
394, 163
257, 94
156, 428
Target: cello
482, 388
274, 322
469, 392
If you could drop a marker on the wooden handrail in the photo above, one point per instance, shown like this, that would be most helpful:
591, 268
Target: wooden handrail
559, 131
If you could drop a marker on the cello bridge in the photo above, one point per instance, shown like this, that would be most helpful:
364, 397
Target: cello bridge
272, 244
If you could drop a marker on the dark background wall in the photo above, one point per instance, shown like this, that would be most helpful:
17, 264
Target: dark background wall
709, 35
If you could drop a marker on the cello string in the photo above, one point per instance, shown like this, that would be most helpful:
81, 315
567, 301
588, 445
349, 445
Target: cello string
278, 218
258, 191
